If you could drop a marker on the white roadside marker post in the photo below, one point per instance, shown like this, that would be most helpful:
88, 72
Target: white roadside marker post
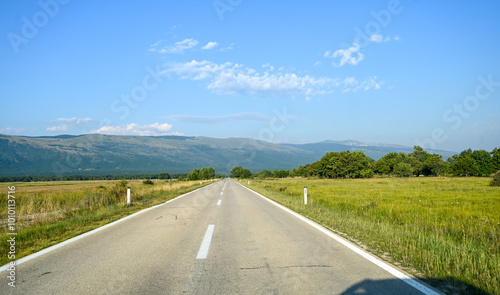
305, 195
128, 196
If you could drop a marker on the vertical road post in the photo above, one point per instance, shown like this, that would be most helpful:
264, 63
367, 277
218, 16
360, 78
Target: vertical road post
305, 195
128, 196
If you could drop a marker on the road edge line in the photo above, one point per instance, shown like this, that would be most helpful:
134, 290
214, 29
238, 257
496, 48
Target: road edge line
375, 260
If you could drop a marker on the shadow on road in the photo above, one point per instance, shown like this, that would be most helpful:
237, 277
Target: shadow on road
396, 286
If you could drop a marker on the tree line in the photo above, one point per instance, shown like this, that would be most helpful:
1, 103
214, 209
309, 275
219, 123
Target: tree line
87, 177
162, 176
355, 164
204, 174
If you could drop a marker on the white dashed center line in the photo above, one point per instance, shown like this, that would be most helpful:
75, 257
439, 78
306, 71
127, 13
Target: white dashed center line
205, 245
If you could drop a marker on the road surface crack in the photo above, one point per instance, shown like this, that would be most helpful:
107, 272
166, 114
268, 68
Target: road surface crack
45, 273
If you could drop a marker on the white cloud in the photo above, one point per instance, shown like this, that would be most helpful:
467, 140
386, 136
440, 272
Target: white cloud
268, 65
72, 121
11, 130
63, 124
59, 128
350, 55
210, 45
317, 64
229, 48
229, 78
155, 129
377, 38
177, 48
352, 85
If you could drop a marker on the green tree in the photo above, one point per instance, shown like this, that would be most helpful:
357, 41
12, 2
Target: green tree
164, 176
495, 159
463, 165
483, 161
281, 173
307, 170
194, 175
496, 179
236, 172
207, 173
434, 165
421, 156
403, 169
386, 164
419, 153
265, 174
345, 164
351, 164
240, 172
324, 165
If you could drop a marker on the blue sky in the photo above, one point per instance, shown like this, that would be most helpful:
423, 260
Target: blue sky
401, 72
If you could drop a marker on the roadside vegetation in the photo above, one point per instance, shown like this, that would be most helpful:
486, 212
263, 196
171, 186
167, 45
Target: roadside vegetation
51, 212
355, 164
444, 230
203, 174
496, 179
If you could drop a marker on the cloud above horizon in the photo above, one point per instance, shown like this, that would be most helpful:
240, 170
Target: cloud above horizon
210, 45
231, 79
350, 55
177, 48
155, 129
63, 124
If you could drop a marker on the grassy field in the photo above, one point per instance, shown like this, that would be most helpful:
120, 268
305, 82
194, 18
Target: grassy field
443, 230
50, 212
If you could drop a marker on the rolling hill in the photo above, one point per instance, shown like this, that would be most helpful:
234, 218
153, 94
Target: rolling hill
97, 154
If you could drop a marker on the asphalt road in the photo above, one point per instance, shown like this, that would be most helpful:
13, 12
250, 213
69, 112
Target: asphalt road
221, 239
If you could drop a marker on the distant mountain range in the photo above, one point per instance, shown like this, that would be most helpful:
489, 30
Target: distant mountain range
97, 154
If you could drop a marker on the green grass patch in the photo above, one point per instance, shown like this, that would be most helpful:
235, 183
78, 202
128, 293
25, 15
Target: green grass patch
49, 213
443, 230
